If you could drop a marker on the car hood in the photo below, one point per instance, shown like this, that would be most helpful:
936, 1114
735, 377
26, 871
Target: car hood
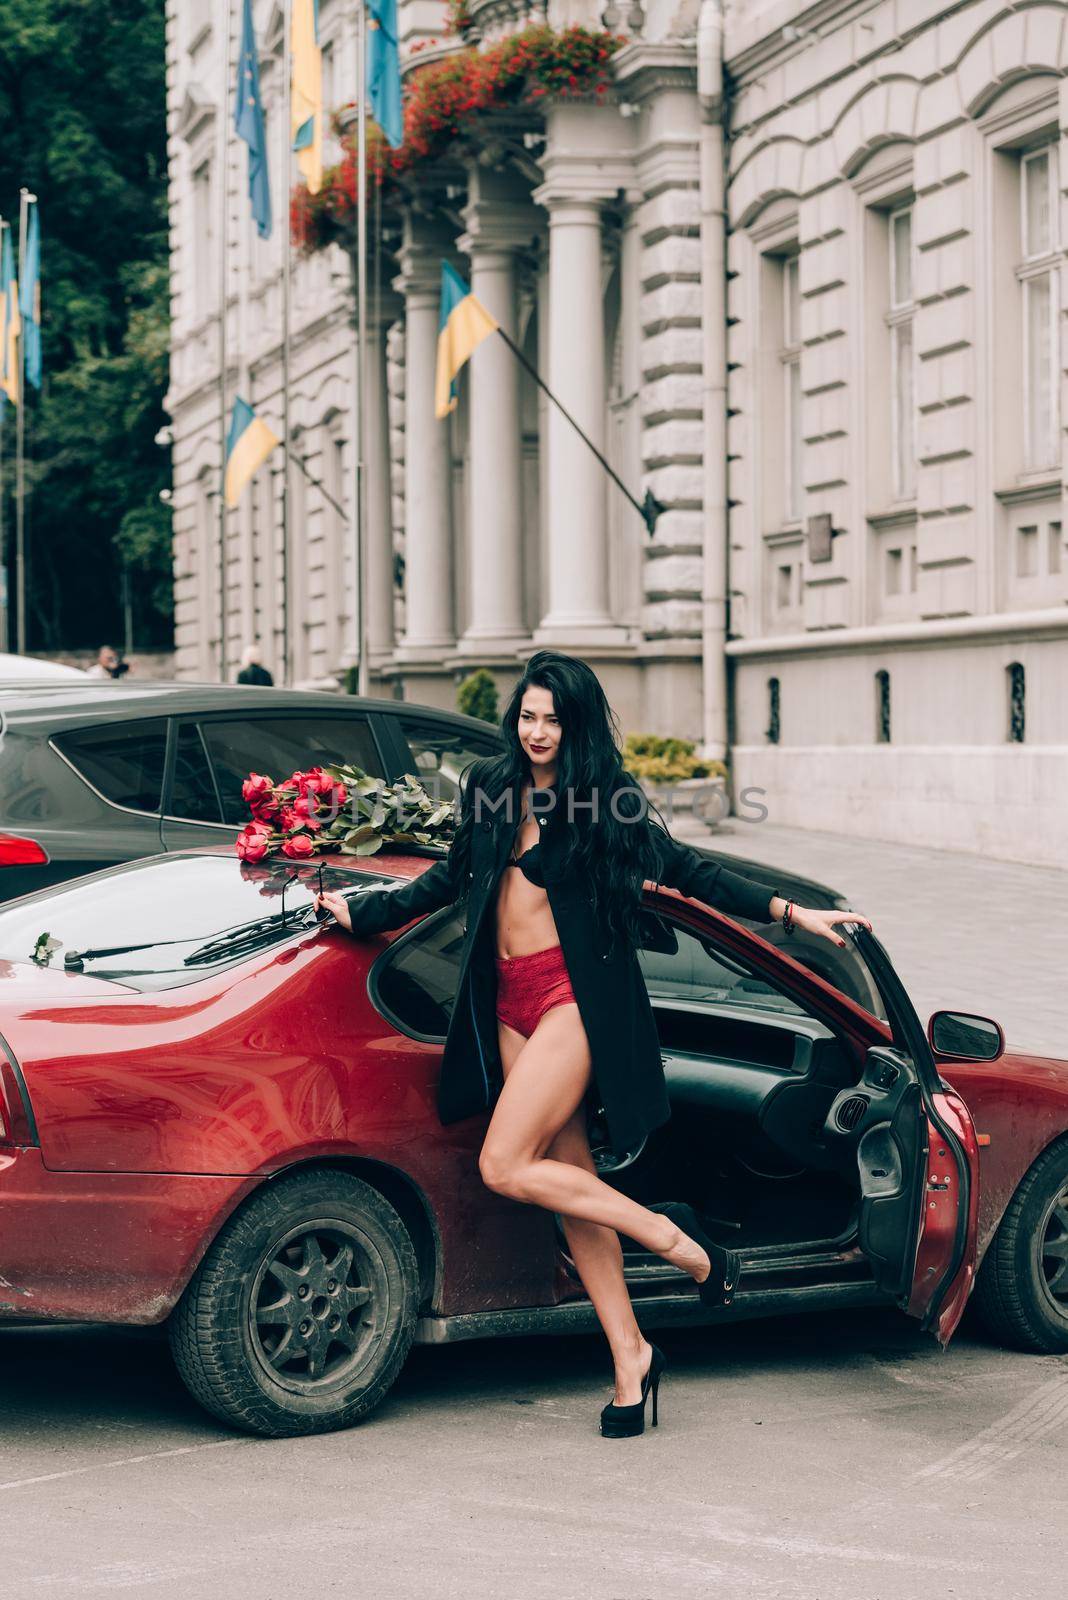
24, 986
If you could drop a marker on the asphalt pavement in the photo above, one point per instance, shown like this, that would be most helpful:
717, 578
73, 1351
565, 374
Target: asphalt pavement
813, 1458
809, 1458
965, 932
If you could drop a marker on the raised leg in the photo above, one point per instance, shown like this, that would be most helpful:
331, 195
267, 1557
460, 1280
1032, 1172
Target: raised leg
536, 1150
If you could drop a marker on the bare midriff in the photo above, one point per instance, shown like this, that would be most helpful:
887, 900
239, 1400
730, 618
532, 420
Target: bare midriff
525, 922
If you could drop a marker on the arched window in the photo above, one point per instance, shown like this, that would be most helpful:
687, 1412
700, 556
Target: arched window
773, 728
1014, 678
882, 706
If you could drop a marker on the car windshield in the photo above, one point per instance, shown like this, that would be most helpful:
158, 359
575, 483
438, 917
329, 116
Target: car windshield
159, 923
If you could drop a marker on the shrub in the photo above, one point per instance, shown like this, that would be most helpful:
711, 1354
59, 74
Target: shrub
660, 759
477, 696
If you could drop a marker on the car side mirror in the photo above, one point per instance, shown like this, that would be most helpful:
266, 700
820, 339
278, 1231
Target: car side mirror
958, 1033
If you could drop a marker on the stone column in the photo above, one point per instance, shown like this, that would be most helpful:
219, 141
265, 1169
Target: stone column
499, 226
579, 612
378, 593
430, 629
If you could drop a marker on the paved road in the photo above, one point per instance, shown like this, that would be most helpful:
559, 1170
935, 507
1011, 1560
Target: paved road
807, 1459
963, 931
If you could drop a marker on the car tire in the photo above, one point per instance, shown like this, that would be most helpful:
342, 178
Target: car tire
302, 1313
1012, 1292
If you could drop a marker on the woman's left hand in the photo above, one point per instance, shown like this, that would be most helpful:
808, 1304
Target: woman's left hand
822, 922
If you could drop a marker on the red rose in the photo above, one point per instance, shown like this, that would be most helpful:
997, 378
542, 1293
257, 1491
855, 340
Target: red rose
299, 846
310, 782
257, 789
254, 841
305, 812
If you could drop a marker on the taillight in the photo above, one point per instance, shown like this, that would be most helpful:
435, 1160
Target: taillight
16, 852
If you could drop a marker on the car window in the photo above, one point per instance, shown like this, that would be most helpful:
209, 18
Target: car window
165, 921
440, 752
123, 760
280, 745
680, 965
414, 982
193, 794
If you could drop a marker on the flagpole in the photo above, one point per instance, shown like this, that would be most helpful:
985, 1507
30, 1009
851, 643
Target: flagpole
20, 452
359, 418
287, 169
224, 231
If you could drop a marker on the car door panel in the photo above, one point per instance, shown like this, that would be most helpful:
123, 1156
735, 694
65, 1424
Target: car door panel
929, 1229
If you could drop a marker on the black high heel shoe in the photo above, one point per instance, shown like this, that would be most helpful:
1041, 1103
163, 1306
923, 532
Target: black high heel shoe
623, 1422
718, 1288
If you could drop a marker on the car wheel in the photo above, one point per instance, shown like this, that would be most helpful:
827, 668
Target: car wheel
301, 1314
1022, 1289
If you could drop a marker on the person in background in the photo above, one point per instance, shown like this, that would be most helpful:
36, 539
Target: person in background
252, 668
109, 663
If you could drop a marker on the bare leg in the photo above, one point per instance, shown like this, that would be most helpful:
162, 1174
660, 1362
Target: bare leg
543, 1089
596, 1252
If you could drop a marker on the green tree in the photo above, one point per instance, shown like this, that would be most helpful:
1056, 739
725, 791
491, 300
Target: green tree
83, 108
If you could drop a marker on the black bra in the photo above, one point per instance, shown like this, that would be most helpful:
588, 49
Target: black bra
529, 863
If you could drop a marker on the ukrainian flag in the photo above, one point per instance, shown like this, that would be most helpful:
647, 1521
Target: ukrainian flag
306, 92
10, 322
463, 325
249, 444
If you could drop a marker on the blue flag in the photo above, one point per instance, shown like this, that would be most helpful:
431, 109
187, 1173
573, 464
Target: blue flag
30, 299
383, 70
248, 120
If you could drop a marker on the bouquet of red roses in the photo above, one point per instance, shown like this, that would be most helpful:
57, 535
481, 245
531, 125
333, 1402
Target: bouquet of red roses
339, 808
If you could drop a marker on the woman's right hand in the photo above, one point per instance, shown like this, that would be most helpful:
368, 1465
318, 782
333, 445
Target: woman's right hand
330, 900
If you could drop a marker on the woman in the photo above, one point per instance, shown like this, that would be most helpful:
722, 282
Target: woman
551, 1005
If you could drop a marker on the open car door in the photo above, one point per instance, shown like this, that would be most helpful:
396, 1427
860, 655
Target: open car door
918, 1160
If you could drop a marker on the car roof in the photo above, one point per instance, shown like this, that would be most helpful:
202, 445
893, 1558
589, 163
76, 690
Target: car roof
22, 670
79, 702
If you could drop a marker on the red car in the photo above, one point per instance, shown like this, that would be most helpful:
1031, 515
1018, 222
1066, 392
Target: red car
217, 1112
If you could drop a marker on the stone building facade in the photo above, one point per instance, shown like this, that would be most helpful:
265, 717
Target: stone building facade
848, 396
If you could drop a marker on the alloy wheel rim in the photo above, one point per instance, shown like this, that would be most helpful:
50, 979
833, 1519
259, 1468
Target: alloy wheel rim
1053, 1253
318, 1306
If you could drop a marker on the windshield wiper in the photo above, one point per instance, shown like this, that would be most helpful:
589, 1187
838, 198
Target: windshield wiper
250, 933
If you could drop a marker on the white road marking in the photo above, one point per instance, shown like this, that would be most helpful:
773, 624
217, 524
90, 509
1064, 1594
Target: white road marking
125, 1461
1039, 1414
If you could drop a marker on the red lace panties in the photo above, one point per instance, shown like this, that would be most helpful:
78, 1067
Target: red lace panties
528, 986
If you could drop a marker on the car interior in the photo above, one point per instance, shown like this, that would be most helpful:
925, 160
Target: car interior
768, 1107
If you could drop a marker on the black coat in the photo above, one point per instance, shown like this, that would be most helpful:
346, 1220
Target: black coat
609, 987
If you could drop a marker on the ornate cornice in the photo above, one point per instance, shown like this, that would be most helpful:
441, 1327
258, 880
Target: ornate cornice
642, 70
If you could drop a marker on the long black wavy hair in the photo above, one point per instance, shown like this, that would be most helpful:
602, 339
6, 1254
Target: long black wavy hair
614, 844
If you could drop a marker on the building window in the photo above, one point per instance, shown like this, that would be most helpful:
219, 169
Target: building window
774, 724
1037, 274
791, 364
899, 320
203, 242
882, 707
1014, 677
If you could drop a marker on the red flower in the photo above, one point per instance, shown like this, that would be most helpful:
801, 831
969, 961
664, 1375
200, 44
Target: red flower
257, 790
304, 812
254, 841
299, 847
